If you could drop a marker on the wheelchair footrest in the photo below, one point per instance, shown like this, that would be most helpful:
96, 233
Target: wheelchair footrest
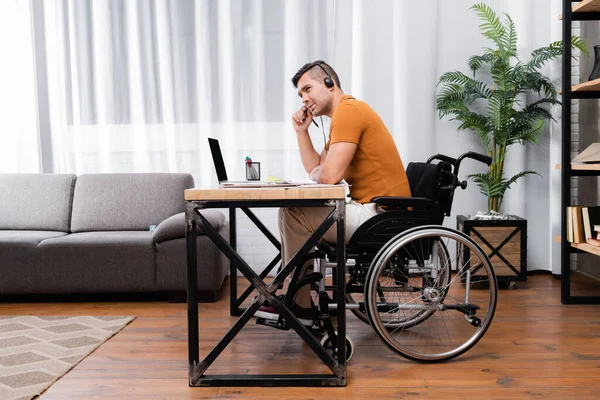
467, 309
274, 323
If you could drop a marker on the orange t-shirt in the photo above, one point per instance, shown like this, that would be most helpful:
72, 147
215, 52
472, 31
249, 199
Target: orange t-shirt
376, 168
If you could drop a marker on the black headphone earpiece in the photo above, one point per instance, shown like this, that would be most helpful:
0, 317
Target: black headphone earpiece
327, 80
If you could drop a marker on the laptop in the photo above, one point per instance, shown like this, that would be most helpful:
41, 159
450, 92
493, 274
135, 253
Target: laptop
217, 156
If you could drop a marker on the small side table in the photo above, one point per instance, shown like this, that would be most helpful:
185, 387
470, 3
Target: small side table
504, 242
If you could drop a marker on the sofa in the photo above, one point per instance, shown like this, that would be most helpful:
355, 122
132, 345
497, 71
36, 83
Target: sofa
102, 233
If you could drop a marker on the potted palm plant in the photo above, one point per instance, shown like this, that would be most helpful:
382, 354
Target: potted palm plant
505, 102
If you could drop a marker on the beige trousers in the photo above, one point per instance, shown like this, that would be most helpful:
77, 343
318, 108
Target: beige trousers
296, 224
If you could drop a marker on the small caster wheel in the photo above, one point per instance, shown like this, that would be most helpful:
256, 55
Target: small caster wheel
327, 343
317, 328
512, 285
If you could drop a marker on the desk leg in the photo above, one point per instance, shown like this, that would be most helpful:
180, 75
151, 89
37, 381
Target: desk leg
192, 287
233, 308
235, 301
341, 287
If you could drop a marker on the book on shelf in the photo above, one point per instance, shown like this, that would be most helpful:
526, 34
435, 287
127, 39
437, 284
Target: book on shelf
590, 155
569, 224
578, 230
591, 220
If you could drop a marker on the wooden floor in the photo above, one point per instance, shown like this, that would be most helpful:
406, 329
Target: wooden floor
535, 348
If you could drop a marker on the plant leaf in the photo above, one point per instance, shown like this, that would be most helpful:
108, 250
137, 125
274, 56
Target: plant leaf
507, 182
488, 185
476, 61
491, 27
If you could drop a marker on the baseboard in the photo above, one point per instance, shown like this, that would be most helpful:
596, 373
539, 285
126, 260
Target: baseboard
539, 272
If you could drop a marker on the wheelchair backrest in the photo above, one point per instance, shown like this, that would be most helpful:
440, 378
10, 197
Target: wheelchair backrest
432, 181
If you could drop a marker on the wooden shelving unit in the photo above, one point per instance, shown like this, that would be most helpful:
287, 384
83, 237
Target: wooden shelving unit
585, 6
587, 248
585, 89
574, 11
590, 86
585, 167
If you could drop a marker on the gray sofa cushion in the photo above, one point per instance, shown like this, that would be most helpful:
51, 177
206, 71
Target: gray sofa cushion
174, 227
36, 201
24, 239
101, 262
127, 202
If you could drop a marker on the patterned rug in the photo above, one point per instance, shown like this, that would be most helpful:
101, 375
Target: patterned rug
36, 351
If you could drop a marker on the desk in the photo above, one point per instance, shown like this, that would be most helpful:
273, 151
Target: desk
245, 198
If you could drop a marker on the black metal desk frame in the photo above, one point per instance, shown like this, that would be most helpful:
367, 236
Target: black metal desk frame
234, 301
197, 368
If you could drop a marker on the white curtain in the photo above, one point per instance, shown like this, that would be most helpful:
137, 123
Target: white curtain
138, 85
19, 150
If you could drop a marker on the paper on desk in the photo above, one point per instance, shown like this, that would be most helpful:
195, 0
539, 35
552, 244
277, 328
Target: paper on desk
300, 181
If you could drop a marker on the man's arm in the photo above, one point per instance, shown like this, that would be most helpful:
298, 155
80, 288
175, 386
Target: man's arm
301, 120
309, 156
336, 163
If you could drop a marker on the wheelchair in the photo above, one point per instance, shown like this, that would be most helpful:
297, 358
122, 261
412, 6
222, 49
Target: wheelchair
429, 292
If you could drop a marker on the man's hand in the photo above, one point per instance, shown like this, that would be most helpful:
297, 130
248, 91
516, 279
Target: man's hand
301, 119
314, 175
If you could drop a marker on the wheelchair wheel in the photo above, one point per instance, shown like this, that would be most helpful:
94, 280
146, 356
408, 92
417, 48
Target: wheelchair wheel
428, 273
411, 319
440, 293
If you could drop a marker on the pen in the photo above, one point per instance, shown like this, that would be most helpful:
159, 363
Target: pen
313, 120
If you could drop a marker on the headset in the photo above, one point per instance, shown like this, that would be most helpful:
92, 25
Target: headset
327, 80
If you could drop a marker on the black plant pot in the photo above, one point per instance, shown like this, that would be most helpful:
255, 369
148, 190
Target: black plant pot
596, 70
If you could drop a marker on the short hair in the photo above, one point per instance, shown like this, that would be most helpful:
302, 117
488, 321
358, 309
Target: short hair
316, 73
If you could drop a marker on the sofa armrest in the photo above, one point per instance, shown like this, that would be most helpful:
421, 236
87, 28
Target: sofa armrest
174, 226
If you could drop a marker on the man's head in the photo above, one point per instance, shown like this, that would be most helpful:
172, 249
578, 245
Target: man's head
313, 81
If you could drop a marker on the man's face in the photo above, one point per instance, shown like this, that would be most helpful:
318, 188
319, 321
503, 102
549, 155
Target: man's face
315, 95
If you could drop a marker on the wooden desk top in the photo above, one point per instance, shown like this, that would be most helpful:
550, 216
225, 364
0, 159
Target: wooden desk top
317, 192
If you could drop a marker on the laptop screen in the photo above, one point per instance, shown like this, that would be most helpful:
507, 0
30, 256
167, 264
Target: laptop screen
215, 150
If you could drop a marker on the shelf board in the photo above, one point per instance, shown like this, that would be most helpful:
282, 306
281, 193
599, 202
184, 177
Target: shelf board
587, 248
585, 167
587, 86
585, 6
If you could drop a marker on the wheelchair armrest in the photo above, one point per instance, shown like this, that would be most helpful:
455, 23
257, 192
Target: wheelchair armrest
385, 201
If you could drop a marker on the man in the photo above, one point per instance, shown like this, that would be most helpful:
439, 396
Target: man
360, 150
